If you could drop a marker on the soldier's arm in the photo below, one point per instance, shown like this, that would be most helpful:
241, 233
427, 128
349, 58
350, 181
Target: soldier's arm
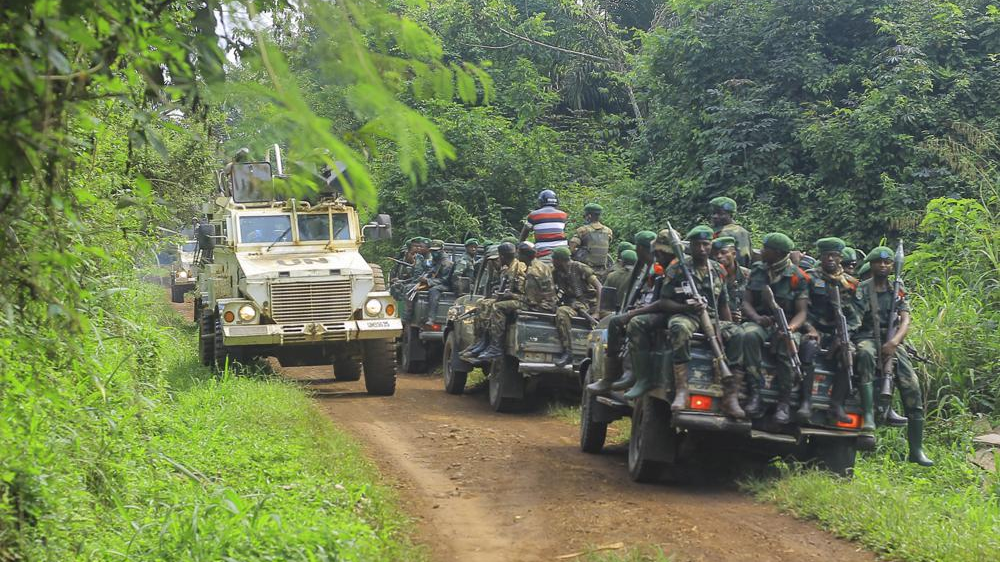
750, 310
801, 313
575, 241
525, 231
594, 282
904, 327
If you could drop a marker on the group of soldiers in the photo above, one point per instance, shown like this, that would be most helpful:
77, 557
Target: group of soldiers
800, 305
425, 265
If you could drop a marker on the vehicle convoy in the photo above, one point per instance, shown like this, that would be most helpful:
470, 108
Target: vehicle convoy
530, 348
662, 440
283, 277
421, 341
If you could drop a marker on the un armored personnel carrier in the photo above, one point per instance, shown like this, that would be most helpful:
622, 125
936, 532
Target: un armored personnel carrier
283, 277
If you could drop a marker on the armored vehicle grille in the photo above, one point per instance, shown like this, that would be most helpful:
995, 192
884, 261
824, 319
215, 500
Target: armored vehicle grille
317, 301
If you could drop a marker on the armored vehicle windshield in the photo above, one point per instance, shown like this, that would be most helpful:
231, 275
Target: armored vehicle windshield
310, 227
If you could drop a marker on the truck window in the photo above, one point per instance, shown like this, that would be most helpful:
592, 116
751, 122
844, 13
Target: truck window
316, 228
266, 229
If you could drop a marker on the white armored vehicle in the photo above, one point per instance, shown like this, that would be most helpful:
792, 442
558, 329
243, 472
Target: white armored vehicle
283, 277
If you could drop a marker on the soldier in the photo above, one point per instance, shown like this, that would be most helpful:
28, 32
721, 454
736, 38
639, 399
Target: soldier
401, 287
592, 241
823, 280
437, 278
874, 302
790, 286
579, 288
724, 252
722, 209
619, 324
849, 260
684, 322
548, 223
466, 264
509, 273
620, 276
537, 293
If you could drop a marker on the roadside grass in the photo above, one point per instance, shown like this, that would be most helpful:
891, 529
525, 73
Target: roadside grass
165, 461
618, 431
633, 554
906, 512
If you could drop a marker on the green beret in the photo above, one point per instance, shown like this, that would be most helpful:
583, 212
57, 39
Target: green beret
778, 241
561, 252
437, 244
700, 232
593, 208
629, 257
865, 268
422, 240
472, 242
622, 246
723, 242
831, 244
849, 254
409, 241
880, 253
724, 203
645, 238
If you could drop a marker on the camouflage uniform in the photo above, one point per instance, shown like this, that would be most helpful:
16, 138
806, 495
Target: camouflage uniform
537, 293
578, 296
742, 237
464, 267
683, 326
401, 287
438, 281
736, 285
510, 277
619, 278
821, 312
867, 354
590, 245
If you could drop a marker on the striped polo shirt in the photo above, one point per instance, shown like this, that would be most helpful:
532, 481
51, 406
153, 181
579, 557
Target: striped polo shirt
549, 226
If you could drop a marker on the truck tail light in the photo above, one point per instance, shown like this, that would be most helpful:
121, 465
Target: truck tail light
701, 402
853, 424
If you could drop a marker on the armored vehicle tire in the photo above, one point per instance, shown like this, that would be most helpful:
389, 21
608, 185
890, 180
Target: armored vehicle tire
346, 369
407, 362
196, 310
222, 355
177, 293
592, 434
836, 454
506, 385
380, 368
652, 439
206, 337
454, 380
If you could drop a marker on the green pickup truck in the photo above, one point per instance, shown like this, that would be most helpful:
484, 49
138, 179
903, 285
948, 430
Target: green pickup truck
531, 345
660, 438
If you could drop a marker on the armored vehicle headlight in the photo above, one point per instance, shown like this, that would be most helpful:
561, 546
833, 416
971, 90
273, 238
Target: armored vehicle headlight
247, 313
373, 307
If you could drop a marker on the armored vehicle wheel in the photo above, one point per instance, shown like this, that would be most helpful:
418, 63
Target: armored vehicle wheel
506, 385
221, 354
652, 444
454, 380
380, 367
411, 338
592, 434
196, 311
177, 293
206, 337
836, 454
346, 369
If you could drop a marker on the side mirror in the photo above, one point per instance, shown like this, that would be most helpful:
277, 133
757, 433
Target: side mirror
609, 299
381, 228
463, 285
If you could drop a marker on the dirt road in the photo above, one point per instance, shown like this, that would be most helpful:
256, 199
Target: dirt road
487, 486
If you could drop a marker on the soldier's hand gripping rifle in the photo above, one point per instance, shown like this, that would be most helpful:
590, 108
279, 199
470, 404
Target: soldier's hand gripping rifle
420, 286
889, 363
843, 339
786, 332
714, 337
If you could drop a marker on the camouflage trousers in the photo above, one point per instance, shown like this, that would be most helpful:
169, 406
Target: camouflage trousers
564, 321
682, 327
906, 376
754, 336
481, 319
499, 313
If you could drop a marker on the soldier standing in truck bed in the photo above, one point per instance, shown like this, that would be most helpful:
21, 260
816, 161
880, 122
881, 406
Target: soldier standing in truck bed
723, 209
578, 289
591, 242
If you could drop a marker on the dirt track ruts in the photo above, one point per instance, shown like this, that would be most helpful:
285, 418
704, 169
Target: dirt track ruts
486, 486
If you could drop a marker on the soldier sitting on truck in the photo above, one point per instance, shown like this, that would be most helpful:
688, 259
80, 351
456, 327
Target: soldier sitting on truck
676, 295
591, 242
790, 288
402, 286
508, 275
437, 278
578, 288
724, 252
465, 266
537, 293
619, 277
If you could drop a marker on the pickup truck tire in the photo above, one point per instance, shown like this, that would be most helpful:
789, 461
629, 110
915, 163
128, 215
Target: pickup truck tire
836, 454
592, 434
346, 369
506, 385
408, 363
206, 337
454, 380
651, 437
380, 367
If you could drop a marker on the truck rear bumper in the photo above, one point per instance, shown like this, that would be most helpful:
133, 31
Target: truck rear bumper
313, 333
710, 422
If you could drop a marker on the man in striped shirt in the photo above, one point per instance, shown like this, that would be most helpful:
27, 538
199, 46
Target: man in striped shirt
548, 223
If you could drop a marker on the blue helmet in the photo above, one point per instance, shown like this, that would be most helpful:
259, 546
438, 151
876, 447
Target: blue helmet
548, 197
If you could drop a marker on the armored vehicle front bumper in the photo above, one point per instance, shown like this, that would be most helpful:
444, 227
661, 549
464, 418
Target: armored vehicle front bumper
312, 332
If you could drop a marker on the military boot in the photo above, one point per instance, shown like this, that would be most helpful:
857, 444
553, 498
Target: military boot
804, 413
781, 411
754, 406
892, 419
730, 396
680, 387
612, 371
627, 380
837, 398
563, 359
477, 347
866, 441
491, 353
645, 378
915, 439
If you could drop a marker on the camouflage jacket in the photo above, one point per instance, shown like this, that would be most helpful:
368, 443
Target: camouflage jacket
792, 286
736, 285
591, 244
743, 244
822, 315
539, 291
575, 284
863, 308
465, 266
512, 277
710, 283
619, 278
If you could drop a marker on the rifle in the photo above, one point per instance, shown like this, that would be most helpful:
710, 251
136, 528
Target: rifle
844, 339
889, 364
420, 286
714, 337
400, 262
793, 349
